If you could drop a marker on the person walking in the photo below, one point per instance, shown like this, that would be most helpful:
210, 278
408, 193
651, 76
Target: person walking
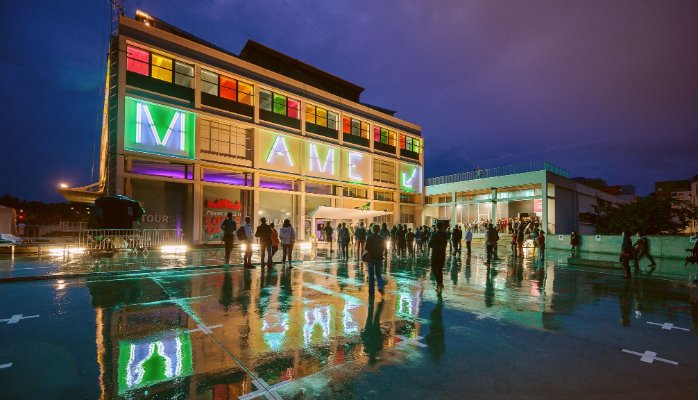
520, 240
385, 234
450, 243
513, 244
541, 245
574, 243
642, 248
438, 243
287, 236
360, 234
375, 247
328, 235
247, 233
468, 239
275, 242
228, 227
263, 233
402, 240
491, 239
343, 240
409, 238
626, 253
456, 237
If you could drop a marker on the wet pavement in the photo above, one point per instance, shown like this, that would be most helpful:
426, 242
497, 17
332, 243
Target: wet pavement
516, 329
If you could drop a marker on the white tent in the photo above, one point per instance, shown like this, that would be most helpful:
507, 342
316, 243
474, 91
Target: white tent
345, 213
8, 220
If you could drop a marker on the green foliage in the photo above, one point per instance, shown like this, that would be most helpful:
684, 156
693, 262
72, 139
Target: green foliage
39, 213
652, 215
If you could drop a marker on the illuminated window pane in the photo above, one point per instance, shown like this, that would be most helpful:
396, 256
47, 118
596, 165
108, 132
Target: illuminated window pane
265, 100
364, 130
355, 127
376, 134
332, 120
228, 88
245, 93
402, 142
310, 114
137, 60
209, 82
184, 74
408, 143
162, 74
346, 125
161, 61
294, 107
279, 104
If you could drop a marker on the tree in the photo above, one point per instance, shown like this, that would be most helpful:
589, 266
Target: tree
652, 215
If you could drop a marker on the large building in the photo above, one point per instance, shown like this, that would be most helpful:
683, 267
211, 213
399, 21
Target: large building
193, 131
533, 191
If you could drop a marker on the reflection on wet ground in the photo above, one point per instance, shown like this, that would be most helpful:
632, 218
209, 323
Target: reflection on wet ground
515, 329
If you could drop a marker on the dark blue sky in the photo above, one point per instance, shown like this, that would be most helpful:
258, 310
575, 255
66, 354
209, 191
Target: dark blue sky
601, 88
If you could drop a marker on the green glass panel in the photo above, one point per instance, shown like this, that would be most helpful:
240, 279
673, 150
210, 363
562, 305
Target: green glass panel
279, 104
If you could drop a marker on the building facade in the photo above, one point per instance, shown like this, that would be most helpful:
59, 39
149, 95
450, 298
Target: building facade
194, 132
534, 191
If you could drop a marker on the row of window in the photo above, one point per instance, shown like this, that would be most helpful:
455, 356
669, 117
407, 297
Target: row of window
170, 70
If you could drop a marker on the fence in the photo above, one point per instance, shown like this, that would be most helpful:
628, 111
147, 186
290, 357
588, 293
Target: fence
499, 171
128, 239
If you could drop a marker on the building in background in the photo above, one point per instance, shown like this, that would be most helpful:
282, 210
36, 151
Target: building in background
539, 192
684, 190
193, 132
625, 192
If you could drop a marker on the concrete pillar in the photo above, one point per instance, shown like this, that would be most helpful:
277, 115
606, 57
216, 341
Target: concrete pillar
544, 195
493, 212
300, 231
453, 208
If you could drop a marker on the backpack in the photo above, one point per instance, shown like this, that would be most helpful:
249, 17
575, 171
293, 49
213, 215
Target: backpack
240, 233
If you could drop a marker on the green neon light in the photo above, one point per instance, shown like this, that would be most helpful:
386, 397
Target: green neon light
158, 129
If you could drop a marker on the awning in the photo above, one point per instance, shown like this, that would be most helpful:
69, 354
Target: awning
346, 213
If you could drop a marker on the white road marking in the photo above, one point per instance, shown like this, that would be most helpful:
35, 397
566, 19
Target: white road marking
263, 389
413, 342
207, 330
16, 318
649, 357
486, 316
667, 326
8, 365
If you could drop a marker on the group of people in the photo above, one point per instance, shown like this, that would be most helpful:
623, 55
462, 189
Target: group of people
270, 239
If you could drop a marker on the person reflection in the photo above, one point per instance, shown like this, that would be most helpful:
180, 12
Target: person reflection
468, 271
455, 270
372, 336
226, 298
489, 287
435, 337
625, 300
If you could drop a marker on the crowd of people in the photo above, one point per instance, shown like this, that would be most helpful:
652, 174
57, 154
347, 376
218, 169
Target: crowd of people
504, 225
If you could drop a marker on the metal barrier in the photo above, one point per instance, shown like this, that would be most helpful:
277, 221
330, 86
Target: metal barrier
128, 239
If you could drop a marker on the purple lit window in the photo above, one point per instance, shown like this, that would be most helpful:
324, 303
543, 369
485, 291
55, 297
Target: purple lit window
167, 170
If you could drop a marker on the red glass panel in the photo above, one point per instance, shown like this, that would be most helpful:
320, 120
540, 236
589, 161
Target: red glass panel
137, 60
402, 142
137, 54
228, 89
376, 134
346, 125
293, 108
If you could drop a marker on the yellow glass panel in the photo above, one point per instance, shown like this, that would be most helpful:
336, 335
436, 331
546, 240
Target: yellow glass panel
310, 114
161, 61
322, 113
162, 74
245, 93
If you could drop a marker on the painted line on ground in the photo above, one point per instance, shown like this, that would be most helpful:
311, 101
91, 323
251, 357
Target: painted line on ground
667, 326
3, 366
17, 317
649, 357
207, 330
414, 342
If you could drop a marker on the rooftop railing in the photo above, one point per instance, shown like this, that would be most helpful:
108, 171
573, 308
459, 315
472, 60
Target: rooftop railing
499, 171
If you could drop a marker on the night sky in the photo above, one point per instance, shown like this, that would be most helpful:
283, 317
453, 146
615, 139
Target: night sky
602, 88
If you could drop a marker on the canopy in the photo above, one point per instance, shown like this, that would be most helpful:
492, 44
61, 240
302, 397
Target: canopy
346, 213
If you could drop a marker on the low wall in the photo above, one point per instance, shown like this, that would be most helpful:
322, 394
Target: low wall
673, 247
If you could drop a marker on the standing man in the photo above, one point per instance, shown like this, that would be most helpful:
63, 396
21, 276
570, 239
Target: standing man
491, 239
437, 243
328, 235
627, 253
264, 234
343, 240
375, 246
360, 234
229, 227
541, 245
409, 238
574, 243
468, 239
247, 239
456, 237
642, 248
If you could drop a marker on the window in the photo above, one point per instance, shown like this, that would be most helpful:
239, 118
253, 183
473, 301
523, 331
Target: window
224, 139
159, 67
410, 144
383, 196
385, 136
320, 116
279, 104
226, 88
354, 127
384, 171
359, 193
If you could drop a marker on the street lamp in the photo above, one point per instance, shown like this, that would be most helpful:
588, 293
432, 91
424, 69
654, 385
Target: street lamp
63, 185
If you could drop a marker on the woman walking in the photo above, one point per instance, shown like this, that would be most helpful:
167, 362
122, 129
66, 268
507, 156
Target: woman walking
287, 236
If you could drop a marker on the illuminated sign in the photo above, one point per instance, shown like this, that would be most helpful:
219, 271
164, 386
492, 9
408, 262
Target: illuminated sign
410, 178
146, 362
356, 166
279, 152
322, 160
153, 128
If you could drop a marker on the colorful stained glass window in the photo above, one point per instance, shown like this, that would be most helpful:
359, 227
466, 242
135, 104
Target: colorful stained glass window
293, 108
332, 120
376, 134
410, 144
279, 104
209, 82
245, 93
137, 60
161, 68
402, 141
346, 125
310, 114
184, 74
